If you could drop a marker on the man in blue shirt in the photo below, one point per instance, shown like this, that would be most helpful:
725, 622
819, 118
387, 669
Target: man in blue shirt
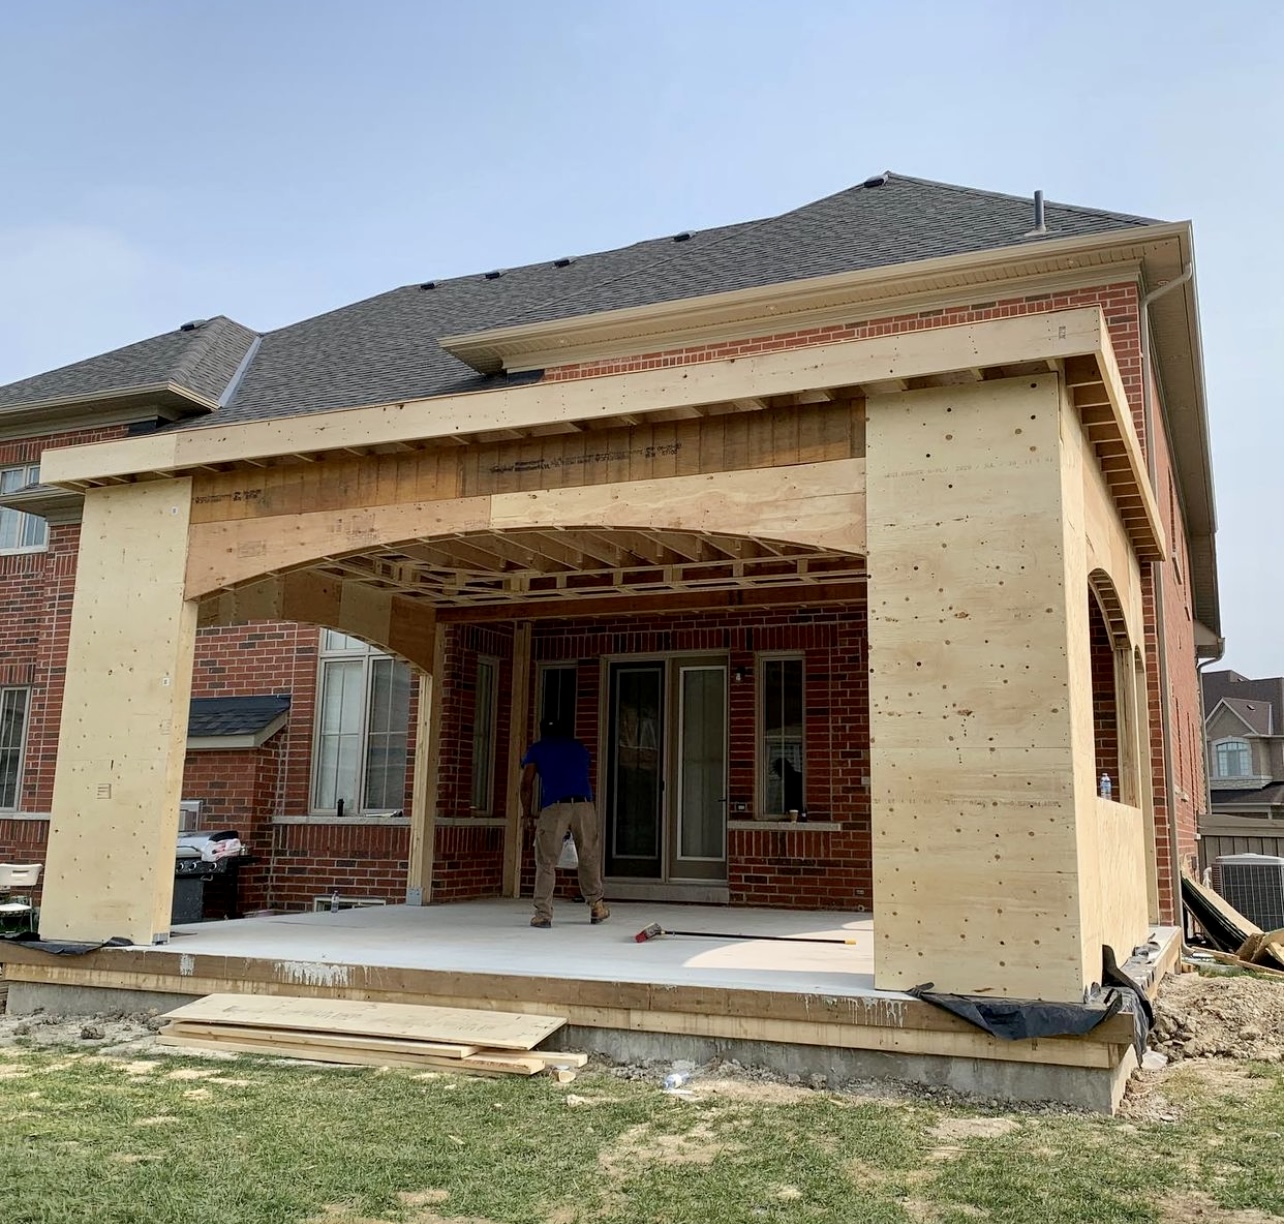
566, 802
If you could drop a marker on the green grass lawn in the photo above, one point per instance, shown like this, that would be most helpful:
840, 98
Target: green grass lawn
190, 1141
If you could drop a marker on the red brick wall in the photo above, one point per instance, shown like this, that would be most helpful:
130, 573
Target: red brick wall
357, 860
811, 869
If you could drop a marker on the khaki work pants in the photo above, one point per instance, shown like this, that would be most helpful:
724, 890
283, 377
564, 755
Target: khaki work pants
554, 821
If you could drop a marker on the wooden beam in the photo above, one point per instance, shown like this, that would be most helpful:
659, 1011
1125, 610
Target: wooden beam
518, 724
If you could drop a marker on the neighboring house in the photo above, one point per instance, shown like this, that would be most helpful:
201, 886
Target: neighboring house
1244, 723
896, 508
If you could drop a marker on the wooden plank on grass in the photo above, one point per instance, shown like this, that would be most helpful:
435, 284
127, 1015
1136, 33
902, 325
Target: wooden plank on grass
239, 1032
493, 1064
449, 1025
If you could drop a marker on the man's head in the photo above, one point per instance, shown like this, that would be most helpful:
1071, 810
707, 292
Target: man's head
550, 728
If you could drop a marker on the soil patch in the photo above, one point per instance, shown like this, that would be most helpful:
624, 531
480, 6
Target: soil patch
1220, 1017
1195, 1205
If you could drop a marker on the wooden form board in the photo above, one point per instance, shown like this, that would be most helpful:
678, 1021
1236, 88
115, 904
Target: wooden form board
972, 784
479, 1064
460, 1026
110, 864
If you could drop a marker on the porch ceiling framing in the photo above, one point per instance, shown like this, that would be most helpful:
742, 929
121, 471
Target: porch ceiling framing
541, 566
1074, 340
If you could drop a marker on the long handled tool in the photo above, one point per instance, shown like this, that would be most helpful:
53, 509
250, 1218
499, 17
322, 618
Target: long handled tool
655, 931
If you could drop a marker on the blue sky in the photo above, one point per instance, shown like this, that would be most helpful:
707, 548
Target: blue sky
165, 160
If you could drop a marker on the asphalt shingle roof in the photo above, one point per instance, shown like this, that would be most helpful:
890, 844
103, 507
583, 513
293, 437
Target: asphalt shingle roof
218, 716
385, 348
1273, 794
1239, 692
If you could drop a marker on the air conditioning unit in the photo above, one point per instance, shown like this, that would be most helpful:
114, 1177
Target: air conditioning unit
1254, 885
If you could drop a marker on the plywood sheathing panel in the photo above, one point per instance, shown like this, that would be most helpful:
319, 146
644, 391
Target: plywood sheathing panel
1113, 862
973, 805
110, 864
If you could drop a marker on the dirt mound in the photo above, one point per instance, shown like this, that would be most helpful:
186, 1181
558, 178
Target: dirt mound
1220, 1017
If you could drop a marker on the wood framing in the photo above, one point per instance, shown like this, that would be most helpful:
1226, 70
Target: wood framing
423, 814
519, 720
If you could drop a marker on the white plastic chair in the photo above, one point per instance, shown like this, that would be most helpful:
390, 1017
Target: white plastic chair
17, 912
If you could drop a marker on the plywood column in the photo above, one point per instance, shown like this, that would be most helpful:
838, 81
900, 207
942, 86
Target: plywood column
423, 798
518, 734
972, 778
110, 864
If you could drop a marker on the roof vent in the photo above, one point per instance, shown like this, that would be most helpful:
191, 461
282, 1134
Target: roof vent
193, 325
494, 275
685, 236
1040, 227
428, 285
562, 263
877, 180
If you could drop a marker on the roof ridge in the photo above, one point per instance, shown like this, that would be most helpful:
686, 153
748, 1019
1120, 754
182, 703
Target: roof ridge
982, 193
204, 337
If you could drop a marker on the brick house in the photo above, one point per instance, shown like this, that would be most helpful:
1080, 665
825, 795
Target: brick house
681, 496
1244, 723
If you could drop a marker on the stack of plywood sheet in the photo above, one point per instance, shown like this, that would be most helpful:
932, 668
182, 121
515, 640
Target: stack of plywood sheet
370, 1034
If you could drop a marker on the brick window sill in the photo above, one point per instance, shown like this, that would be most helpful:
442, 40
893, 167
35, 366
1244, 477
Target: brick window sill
798, 826
394, 821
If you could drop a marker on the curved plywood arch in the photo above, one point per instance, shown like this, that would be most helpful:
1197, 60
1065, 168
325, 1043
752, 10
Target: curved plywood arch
820, 506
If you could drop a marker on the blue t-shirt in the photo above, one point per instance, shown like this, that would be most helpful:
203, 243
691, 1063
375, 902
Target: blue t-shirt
563, 766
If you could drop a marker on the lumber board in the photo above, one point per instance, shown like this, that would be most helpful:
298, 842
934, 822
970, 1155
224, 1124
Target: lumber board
239, 1032
360, 1058
492, 1029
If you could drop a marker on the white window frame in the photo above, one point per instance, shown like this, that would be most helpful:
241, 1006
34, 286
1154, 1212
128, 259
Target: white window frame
483, 762
761, 763
352, 650
1240, 742
22, 746
26, 522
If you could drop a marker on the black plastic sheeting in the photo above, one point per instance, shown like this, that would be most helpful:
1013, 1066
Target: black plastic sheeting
1024, 1019
57, 947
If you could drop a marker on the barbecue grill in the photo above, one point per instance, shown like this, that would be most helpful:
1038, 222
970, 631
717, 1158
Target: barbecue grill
198, 859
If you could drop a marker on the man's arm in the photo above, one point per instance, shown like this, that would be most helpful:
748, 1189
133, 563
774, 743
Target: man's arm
528, 792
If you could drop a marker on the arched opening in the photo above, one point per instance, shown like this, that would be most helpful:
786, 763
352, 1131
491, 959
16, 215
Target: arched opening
1114, 693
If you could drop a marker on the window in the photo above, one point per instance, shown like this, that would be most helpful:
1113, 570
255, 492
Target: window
1233, 759
363, 715
13, 727
20, 532
780, 759
484, 736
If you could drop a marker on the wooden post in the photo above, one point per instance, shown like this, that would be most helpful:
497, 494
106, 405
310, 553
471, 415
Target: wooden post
423, 809
518, 730
420, 819
110, 864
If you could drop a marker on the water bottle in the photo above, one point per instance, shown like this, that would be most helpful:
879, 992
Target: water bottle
334, 903
1105, 786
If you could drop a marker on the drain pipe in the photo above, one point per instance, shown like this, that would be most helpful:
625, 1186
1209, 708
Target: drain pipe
1156, 577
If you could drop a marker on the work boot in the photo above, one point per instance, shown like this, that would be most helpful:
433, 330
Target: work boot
542, 923
599, 912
